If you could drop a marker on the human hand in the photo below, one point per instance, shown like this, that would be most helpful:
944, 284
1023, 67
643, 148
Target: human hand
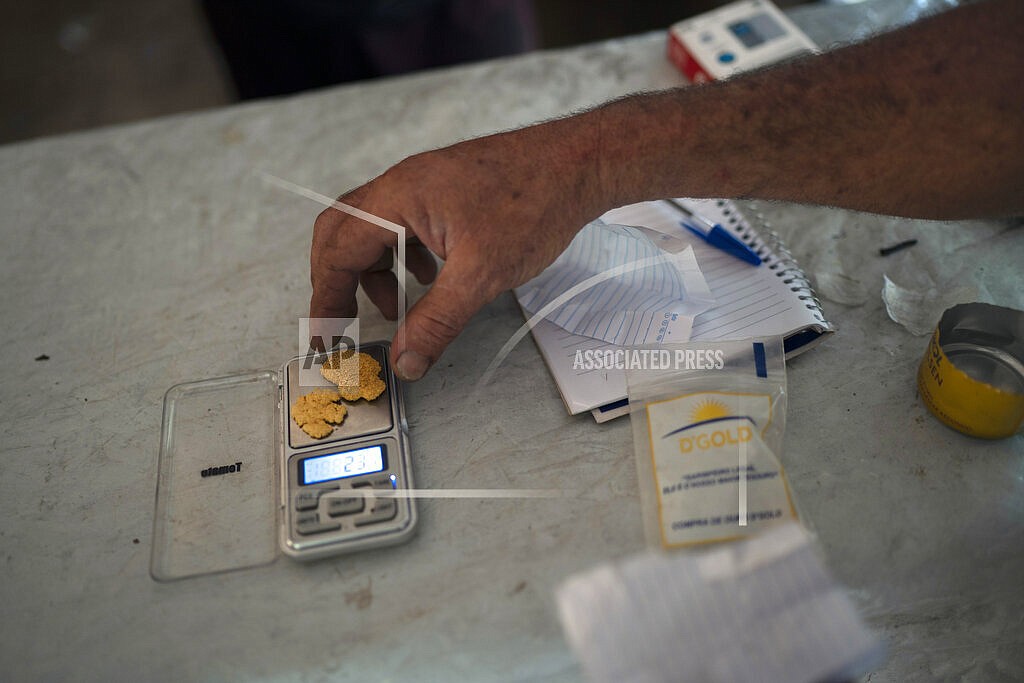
496, 209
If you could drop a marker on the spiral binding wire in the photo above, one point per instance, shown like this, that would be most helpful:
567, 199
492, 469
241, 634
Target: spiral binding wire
774, 253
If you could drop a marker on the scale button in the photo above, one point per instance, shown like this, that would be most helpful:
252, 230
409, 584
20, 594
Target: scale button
309, 499
382, 482
349, 505
309, 523
383, 510
726, 57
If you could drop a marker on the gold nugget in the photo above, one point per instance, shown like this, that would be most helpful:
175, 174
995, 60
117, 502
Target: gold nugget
315, 412
356, 374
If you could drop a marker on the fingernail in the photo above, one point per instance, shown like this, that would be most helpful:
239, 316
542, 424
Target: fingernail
411, 366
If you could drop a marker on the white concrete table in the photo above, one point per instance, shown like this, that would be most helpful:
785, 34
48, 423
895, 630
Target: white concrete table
141, 256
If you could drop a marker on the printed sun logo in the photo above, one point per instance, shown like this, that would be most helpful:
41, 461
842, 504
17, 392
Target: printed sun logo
709, 409
707, 415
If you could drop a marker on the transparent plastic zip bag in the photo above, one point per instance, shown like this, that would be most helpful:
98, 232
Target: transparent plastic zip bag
708, 424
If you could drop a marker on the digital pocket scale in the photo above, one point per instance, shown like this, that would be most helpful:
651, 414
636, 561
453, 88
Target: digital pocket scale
240, 483
344, 493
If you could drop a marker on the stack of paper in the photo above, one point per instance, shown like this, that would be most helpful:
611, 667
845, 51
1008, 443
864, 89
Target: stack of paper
749, 301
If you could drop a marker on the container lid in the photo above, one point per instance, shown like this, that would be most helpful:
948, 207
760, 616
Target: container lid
216, 498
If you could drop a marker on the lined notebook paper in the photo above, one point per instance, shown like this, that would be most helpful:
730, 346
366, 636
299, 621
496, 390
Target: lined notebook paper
626, 286
774, 298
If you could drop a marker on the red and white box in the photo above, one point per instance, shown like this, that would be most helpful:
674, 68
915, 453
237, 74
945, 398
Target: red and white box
736, 37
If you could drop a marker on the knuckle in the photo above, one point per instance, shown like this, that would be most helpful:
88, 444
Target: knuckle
324, 225
395, 175
435, 328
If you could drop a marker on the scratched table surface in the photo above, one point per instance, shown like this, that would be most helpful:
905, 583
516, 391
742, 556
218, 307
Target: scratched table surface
141, 256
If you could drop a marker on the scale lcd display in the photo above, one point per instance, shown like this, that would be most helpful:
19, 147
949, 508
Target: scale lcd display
341, 465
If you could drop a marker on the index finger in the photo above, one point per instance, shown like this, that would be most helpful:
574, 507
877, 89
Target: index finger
343, 248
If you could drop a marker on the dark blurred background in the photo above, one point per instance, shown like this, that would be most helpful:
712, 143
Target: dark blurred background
72, 64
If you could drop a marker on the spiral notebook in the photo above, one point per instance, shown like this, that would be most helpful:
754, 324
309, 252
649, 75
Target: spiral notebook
774, 298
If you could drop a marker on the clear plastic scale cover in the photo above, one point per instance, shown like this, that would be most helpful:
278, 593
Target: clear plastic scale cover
216, 492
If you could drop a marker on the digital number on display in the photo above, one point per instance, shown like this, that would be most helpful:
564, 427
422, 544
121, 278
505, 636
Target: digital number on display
342, 465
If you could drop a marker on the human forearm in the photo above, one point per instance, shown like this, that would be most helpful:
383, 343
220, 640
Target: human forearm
925, 122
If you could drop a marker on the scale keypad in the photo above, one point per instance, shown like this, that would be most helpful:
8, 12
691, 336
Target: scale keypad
321, 509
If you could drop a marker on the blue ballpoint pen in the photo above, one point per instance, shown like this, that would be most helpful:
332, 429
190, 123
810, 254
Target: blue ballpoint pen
715, 235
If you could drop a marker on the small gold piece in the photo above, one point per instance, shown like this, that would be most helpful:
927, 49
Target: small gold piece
356, 374
316, 411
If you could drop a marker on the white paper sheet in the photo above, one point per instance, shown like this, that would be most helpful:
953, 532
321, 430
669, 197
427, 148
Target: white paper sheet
657, 296
764, 610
